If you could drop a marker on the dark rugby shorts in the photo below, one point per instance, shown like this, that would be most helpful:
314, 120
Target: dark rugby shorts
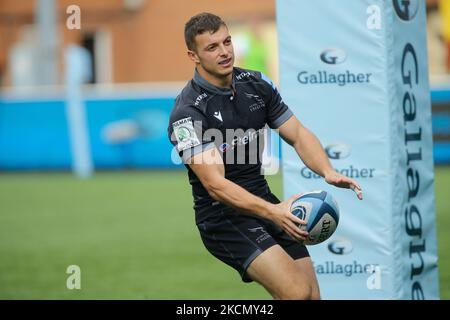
237, 239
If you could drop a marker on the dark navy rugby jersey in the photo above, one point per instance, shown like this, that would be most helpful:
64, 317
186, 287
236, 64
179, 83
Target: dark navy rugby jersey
232, 120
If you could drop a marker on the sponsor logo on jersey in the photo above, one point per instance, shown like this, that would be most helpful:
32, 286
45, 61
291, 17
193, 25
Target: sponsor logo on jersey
185, 134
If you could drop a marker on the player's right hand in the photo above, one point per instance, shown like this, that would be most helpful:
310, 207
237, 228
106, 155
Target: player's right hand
283, 217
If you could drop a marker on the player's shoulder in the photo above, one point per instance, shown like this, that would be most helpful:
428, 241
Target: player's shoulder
243, 76
188, 103
187, 94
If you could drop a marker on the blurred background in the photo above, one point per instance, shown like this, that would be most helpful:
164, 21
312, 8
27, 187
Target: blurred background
88, 88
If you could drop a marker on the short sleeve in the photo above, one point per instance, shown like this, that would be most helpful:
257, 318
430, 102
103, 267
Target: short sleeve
278, 111
186, 132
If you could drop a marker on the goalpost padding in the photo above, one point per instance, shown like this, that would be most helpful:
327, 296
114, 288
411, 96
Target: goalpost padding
355, 73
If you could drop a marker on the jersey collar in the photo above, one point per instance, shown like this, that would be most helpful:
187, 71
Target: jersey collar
198, 79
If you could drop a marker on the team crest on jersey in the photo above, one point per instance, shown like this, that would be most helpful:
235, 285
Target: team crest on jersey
258, 104
185, 134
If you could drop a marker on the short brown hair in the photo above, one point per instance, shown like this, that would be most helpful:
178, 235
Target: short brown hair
199, 24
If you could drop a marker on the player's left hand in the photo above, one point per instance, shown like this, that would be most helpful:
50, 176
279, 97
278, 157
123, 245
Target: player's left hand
341, 181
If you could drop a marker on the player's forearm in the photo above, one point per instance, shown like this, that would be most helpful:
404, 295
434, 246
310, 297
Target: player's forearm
231, 194
310, 150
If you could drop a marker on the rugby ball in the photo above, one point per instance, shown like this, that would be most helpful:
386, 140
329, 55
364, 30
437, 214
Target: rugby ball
321, 213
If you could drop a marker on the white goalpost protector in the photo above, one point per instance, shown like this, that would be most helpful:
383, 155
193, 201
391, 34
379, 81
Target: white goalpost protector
355, 73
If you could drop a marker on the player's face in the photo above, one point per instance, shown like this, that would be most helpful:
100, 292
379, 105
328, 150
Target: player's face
214, 52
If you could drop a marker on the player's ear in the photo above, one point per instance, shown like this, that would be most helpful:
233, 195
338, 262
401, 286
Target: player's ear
193, 56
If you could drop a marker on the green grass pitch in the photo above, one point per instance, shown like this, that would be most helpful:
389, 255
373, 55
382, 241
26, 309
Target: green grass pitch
131, 238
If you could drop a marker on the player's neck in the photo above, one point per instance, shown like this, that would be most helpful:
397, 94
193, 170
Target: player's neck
221, 82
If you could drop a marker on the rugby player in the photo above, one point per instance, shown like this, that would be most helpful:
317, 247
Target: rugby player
240, 221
